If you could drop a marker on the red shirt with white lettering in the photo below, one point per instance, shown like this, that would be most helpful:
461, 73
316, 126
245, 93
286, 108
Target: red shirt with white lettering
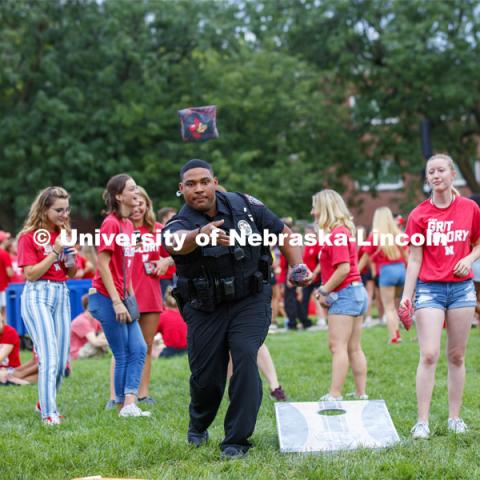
121, 262
378, 256
146, 286
458, 224
173, 329
342, 250
9, 336
29, 253
5, 262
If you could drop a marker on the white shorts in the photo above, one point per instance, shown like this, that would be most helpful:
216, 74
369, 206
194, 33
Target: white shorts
3, 299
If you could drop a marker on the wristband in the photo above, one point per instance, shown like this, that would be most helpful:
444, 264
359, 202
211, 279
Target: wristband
199, 230
323, 292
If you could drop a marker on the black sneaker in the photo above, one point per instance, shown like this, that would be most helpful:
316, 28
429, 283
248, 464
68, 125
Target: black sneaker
147, 400
197, 438
232, 453
307, 324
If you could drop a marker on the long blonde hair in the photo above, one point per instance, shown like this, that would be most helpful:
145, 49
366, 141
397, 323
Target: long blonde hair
37, 216
331, 211
448, 159
149, 217
384, 223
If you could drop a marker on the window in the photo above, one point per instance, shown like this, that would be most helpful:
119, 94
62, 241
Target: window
388, 178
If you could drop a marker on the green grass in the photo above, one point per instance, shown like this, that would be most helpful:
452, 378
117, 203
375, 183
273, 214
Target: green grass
93, 441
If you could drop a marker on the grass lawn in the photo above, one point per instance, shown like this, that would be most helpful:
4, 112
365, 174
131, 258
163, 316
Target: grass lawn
93, 441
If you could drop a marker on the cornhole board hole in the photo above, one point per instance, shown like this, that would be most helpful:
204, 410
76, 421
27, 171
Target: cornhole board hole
333, 426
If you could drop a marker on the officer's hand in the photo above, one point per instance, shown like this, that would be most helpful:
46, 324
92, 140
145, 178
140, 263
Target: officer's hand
300, 275
218, 236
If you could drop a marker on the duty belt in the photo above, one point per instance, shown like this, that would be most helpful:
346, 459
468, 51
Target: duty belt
205, 293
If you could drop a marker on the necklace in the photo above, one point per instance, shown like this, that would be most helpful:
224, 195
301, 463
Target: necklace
452, 198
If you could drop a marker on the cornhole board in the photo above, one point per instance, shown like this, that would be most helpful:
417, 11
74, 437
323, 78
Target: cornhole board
333, 426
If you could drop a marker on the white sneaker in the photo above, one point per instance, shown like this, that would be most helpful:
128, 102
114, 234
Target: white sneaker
354, 396
368, 322
132, 411
420, 430
457, 425
52, 420
322, 324
330, 398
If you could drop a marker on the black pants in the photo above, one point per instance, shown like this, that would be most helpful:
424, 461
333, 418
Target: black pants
239, 327
306, 294
293, 308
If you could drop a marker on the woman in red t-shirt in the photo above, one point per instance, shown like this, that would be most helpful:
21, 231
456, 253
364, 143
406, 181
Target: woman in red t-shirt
148, 266
389, 261
45, 299
342, 292
439, 270
112, 285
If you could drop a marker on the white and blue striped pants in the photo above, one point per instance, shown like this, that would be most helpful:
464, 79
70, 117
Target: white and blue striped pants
46, 313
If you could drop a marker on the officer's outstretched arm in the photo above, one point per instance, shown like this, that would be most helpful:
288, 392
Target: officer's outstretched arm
293, 253
185, 241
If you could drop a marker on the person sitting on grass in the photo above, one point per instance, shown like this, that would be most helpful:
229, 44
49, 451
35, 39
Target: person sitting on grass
9, 354
87, 337
173, 329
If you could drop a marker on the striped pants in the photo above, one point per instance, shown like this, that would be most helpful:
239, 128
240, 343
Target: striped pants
46, 313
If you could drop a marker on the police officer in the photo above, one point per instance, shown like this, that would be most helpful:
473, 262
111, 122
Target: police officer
225, 298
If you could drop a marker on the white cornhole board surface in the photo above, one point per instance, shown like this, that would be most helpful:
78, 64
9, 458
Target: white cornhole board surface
365, 424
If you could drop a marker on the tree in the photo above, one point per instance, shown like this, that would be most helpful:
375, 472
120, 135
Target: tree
402, 61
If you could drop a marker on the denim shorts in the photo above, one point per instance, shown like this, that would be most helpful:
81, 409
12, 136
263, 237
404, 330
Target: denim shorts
445, 295
352, 301
392, 275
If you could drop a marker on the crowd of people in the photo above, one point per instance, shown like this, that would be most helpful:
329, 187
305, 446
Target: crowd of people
131, 307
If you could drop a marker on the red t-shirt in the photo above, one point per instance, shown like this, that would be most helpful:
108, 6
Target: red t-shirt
173, 329
168, 275
17, 271
147, 287
82, 325
459, 224
310, 258
29, 253
111, 227
377, 255
5, 262
81, 265
9, 336
344, 252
